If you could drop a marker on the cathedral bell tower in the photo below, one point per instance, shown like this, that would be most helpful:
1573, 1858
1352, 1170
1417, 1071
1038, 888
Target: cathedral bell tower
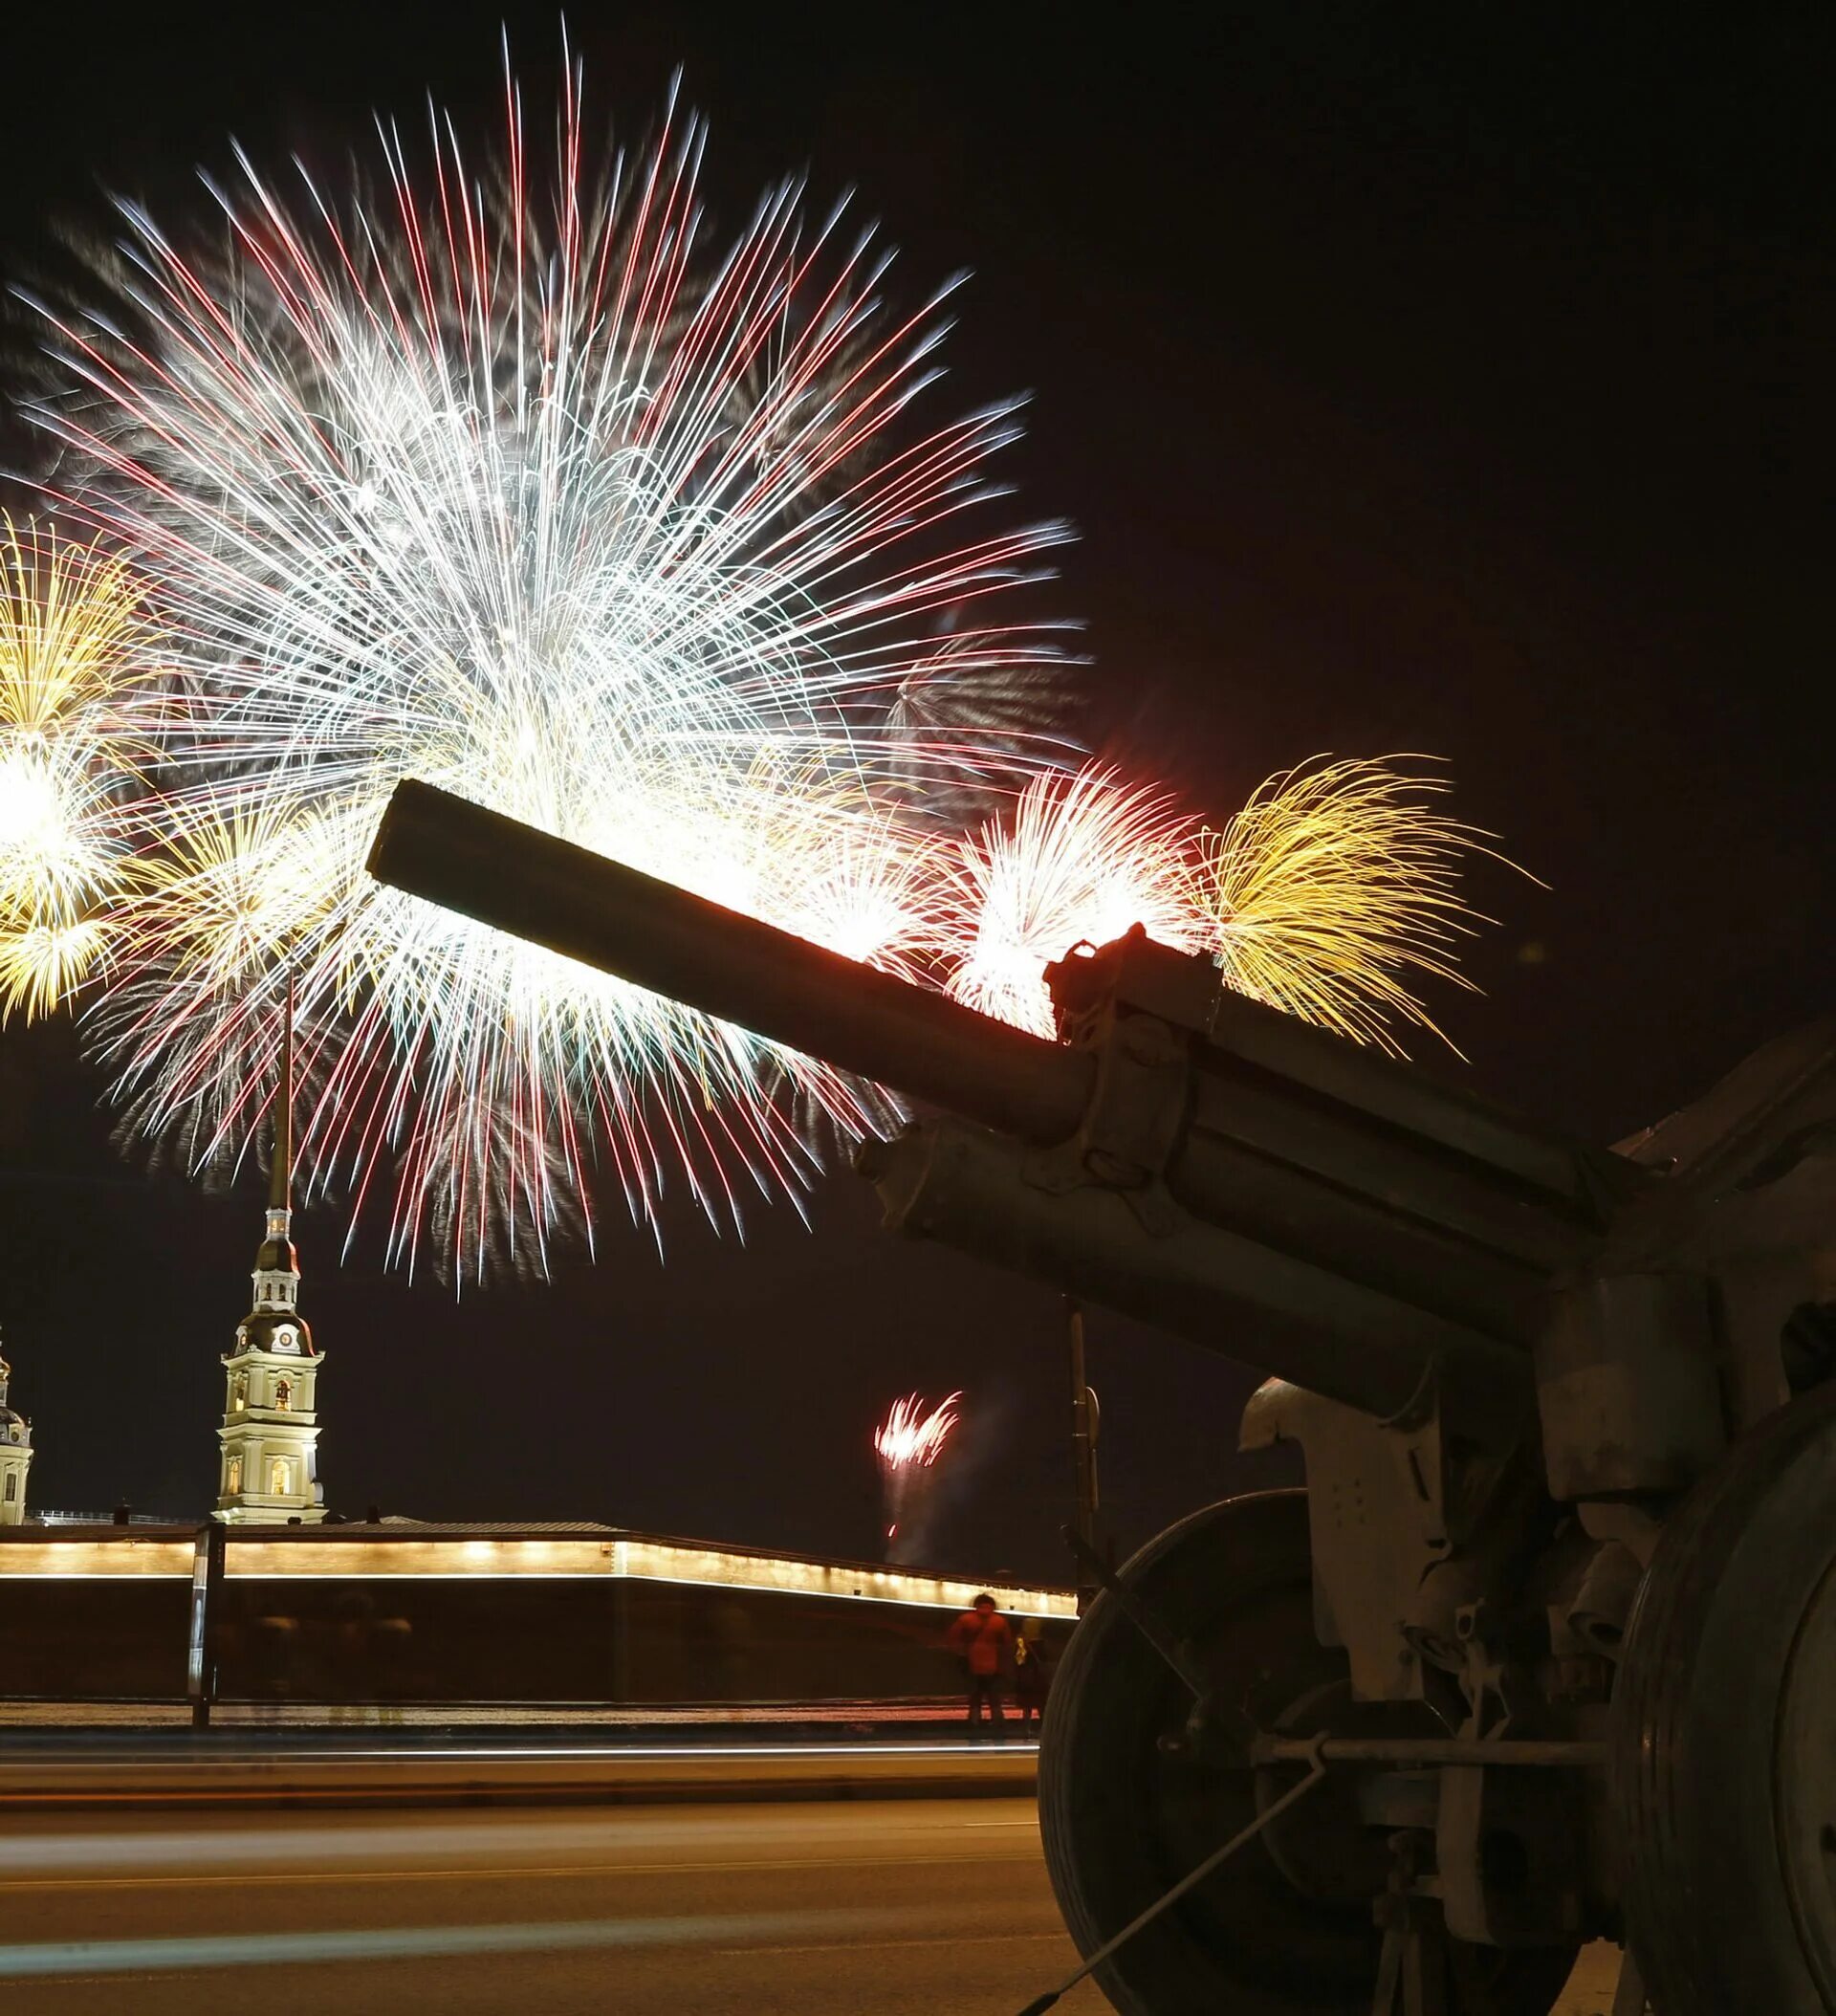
269, 1421
15, 1457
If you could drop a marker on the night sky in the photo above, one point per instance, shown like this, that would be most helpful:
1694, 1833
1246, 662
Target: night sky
1463, 391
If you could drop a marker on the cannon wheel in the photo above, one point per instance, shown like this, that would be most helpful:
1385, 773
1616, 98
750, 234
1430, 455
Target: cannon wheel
1724, 1734
1284, 1927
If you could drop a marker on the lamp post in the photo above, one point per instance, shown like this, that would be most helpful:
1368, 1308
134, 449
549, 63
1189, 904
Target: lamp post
207, 1602
1084, 1450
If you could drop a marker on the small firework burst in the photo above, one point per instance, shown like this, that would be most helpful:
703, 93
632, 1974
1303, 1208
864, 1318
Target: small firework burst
1334, 888
909, 1442
1083, 858
910, 1436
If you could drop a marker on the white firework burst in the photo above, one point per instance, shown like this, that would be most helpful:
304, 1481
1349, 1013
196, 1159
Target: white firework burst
570, 504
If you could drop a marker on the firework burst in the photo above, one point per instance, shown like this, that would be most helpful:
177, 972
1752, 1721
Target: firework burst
1081, 858
1329, 895
1335, 886
909, 1435
79, 725
560, 501
908, 1443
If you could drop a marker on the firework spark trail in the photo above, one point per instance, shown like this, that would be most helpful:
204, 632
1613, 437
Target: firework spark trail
80, 724
568, 507
909, 1442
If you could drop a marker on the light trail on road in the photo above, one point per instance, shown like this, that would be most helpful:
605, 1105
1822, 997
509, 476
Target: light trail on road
833, 1907
268, 1949
818, 1907
157, 1773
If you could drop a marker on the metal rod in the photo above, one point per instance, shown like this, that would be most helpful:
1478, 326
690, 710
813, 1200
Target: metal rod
207, 1604
1084, 1449
1406, 1750
1189, 1881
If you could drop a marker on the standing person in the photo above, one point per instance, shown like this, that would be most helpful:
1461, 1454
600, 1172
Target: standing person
985, 1639
1032, 1673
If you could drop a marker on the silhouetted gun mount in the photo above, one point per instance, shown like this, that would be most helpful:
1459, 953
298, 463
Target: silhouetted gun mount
1553, 1624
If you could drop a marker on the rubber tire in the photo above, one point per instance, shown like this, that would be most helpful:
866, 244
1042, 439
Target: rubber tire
1695, 1754
1121, 1822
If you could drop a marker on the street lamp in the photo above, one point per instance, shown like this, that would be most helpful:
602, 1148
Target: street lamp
1084, 1419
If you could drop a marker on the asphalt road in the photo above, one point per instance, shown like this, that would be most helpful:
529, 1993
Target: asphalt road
913, 1905
896, 1907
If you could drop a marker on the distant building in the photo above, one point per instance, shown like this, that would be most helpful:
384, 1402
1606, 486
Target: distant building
486, 1612
270, 1432
15, 1456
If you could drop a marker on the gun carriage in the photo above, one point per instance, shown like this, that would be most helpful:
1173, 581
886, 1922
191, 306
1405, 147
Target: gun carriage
1547, 1642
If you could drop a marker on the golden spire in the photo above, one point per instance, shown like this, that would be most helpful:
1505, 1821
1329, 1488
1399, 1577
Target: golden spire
280, 1174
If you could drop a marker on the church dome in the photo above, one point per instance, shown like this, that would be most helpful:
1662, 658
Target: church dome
278, 1256
12, 1427
277, 1330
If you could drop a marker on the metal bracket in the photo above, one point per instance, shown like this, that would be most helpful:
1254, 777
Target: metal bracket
1137, 1112
1488, 1676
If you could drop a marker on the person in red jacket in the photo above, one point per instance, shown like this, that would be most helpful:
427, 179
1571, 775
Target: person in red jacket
985, 1639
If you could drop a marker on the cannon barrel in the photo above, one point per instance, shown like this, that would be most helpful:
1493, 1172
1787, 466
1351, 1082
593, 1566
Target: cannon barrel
1259, 1186
681, 946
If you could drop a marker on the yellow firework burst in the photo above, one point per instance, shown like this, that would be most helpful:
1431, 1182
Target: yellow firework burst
233, 889
78, 723
1336, 887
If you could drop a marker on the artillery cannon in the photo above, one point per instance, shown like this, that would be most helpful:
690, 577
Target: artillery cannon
1547, 1649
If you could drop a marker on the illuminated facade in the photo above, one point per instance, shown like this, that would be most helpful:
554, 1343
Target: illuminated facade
270, 1433
15, 1457
400, 1610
